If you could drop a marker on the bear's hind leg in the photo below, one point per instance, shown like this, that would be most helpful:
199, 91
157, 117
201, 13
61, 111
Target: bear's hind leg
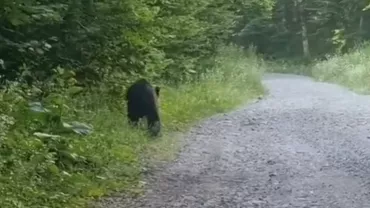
154, 125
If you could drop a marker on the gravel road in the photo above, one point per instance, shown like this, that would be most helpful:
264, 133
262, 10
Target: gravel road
305, 145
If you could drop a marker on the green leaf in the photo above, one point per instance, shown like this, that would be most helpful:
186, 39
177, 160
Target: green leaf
79, 128
44, 135
366, 8
37, 107
74, 90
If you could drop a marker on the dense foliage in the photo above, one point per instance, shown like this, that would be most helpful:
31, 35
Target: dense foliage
309, 29
112, 40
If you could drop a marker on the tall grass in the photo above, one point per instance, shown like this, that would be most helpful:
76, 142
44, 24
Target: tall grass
351, 70
289, 67
121, 152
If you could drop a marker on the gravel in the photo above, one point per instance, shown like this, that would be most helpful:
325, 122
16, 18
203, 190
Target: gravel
306, 145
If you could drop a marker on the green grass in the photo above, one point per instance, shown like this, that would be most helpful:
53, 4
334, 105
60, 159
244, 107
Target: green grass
119, 151
350, 70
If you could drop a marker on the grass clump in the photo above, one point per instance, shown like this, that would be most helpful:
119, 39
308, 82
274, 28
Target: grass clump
66, 169
350, 70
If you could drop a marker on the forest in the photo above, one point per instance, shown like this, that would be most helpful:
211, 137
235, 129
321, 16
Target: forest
65, 67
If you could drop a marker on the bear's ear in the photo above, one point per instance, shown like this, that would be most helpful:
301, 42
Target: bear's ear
157, 90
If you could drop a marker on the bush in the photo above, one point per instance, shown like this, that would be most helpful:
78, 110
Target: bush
50, 160
350, 70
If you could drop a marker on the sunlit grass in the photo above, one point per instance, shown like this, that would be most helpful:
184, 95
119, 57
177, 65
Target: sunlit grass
350, 70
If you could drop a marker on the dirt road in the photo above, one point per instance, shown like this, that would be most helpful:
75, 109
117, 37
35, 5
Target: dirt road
305, 145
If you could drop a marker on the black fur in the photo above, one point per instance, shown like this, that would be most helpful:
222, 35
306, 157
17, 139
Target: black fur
142, 102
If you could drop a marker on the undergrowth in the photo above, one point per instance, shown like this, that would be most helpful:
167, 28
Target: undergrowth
50, 160
289, 67
350, 70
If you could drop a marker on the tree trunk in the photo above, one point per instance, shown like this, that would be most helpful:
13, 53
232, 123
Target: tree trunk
305, 43
361, 25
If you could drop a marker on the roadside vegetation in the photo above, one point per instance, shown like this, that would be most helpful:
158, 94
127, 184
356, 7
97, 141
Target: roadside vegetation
350, 70
102, 153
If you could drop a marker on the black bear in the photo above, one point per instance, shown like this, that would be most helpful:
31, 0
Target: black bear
142, 101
